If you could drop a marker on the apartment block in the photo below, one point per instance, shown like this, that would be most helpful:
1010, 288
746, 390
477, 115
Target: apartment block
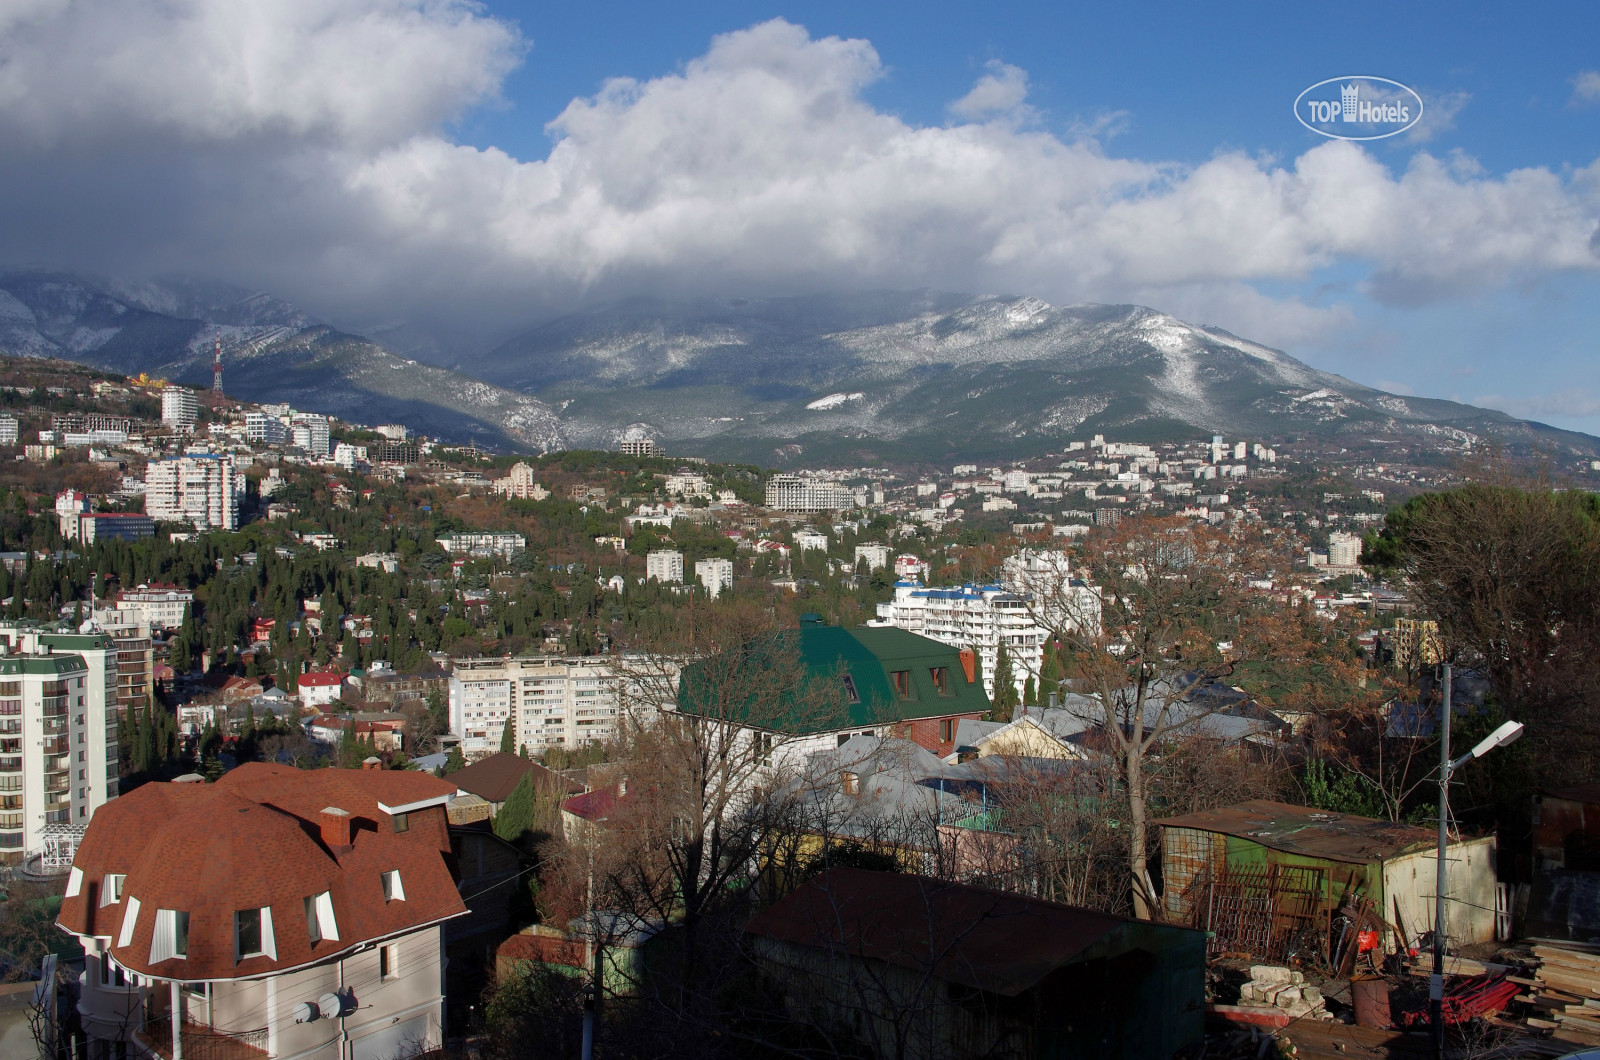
483, 546
795, 493
982, 617
715, 574
548, 700
179, 407
58, 747
203, 489
664, 566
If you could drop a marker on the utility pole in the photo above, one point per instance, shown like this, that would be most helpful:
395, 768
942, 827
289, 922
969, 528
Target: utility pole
1436, 980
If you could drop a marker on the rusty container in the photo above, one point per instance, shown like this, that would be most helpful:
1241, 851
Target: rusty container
1370, 997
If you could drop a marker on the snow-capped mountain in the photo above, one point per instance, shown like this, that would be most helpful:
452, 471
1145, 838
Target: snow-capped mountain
929, 374
271, 352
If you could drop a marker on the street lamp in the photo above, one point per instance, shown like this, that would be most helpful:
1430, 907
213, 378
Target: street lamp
1505, 734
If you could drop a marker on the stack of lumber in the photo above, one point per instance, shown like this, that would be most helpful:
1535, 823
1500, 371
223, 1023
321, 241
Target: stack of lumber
1565, 992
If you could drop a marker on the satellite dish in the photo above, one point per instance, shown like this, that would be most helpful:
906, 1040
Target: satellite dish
331, 1005
305, 1012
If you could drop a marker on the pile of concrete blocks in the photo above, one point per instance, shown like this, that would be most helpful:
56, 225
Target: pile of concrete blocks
1285, 989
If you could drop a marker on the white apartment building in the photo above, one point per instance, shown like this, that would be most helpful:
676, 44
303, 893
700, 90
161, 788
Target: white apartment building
664, 566
310, 433
715, 574
982, 617
149, 606
58, 759
1344, 549
794, 493
482, 546
348, 456
179, 407
8, 430
203, 489
687, 484
519, 483
640, 447
548, 700
261, 428
877, 556
809, 539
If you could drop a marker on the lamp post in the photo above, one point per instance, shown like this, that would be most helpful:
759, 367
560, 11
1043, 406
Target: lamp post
1506, 733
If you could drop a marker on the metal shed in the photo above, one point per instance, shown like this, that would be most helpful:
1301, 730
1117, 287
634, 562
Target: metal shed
1268, 876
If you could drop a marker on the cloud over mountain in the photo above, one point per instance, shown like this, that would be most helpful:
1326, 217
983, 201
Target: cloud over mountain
304, 146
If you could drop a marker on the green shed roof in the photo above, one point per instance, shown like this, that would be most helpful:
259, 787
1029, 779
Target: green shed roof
861, 660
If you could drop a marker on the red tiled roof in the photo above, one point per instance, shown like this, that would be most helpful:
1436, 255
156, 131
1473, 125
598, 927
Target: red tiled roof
543, 949
594, 805
253, 840
493, 778
320, 680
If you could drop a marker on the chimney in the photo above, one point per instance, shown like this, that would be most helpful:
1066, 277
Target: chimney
335, 828
969, 664
372, 763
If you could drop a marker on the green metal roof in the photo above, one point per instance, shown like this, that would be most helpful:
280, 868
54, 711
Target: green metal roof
830, 654
76, 641
46, 665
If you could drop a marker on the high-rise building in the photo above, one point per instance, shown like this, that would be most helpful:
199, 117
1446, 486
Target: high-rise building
640, 447
664, 566
1344, 549
715, 574
179, 407
264, 429
203, 489
548, 700
58, 744
982, 617
794, 493
8, 430
310, 433
483, 546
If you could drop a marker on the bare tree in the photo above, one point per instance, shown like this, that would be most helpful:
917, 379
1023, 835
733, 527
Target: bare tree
1173, 609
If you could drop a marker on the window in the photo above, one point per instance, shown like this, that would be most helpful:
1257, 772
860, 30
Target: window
252, 934
901, 679
947, 730
941, 680
319, 917
171, 938
393, 890
850, 692
130, 918
74, 882
850, 782
110, 972
386, 961
402, 822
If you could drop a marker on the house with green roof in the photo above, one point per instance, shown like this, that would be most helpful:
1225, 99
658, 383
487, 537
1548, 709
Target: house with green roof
816, 686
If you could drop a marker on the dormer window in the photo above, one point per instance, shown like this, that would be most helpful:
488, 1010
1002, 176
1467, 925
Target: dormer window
171, 937
941, 679
401, 821
901, 679
850, 692
74, 882
130, 919
252, 934
319, 917
393, 890
111, 889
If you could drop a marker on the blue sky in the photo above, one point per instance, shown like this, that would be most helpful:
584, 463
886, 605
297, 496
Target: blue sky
467, 169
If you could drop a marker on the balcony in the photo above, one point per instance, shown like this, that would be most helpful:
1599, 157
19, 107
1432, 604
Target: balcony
206, 1043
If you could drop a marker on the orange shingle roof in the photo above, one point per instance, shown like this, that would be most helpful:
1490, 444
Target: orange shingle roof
254, 839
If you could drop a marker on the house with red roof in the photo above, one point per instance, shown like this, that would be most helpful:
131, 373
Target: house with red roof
275, 913
319, 688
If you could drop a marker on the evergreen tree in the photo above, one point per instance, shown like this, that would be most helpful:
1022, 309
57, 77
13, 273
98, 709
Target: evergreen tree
1030, 694
506, 738
1005, 687
517, 813
454, 760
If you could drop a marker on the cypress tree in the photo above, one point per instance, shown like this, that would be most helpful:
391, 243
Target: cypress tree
1030, 694
516, 814
1005, 687
507, 737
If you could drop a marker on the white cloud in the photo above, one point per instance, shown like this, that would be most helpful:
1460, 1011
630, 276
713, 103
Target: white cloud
1439, 115
1586, 87
355, 72
999, 92
311, 159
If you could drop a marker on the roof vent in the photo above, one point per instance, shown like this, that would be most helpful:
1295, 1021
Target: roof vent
811, 618
335, 828
189, 778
